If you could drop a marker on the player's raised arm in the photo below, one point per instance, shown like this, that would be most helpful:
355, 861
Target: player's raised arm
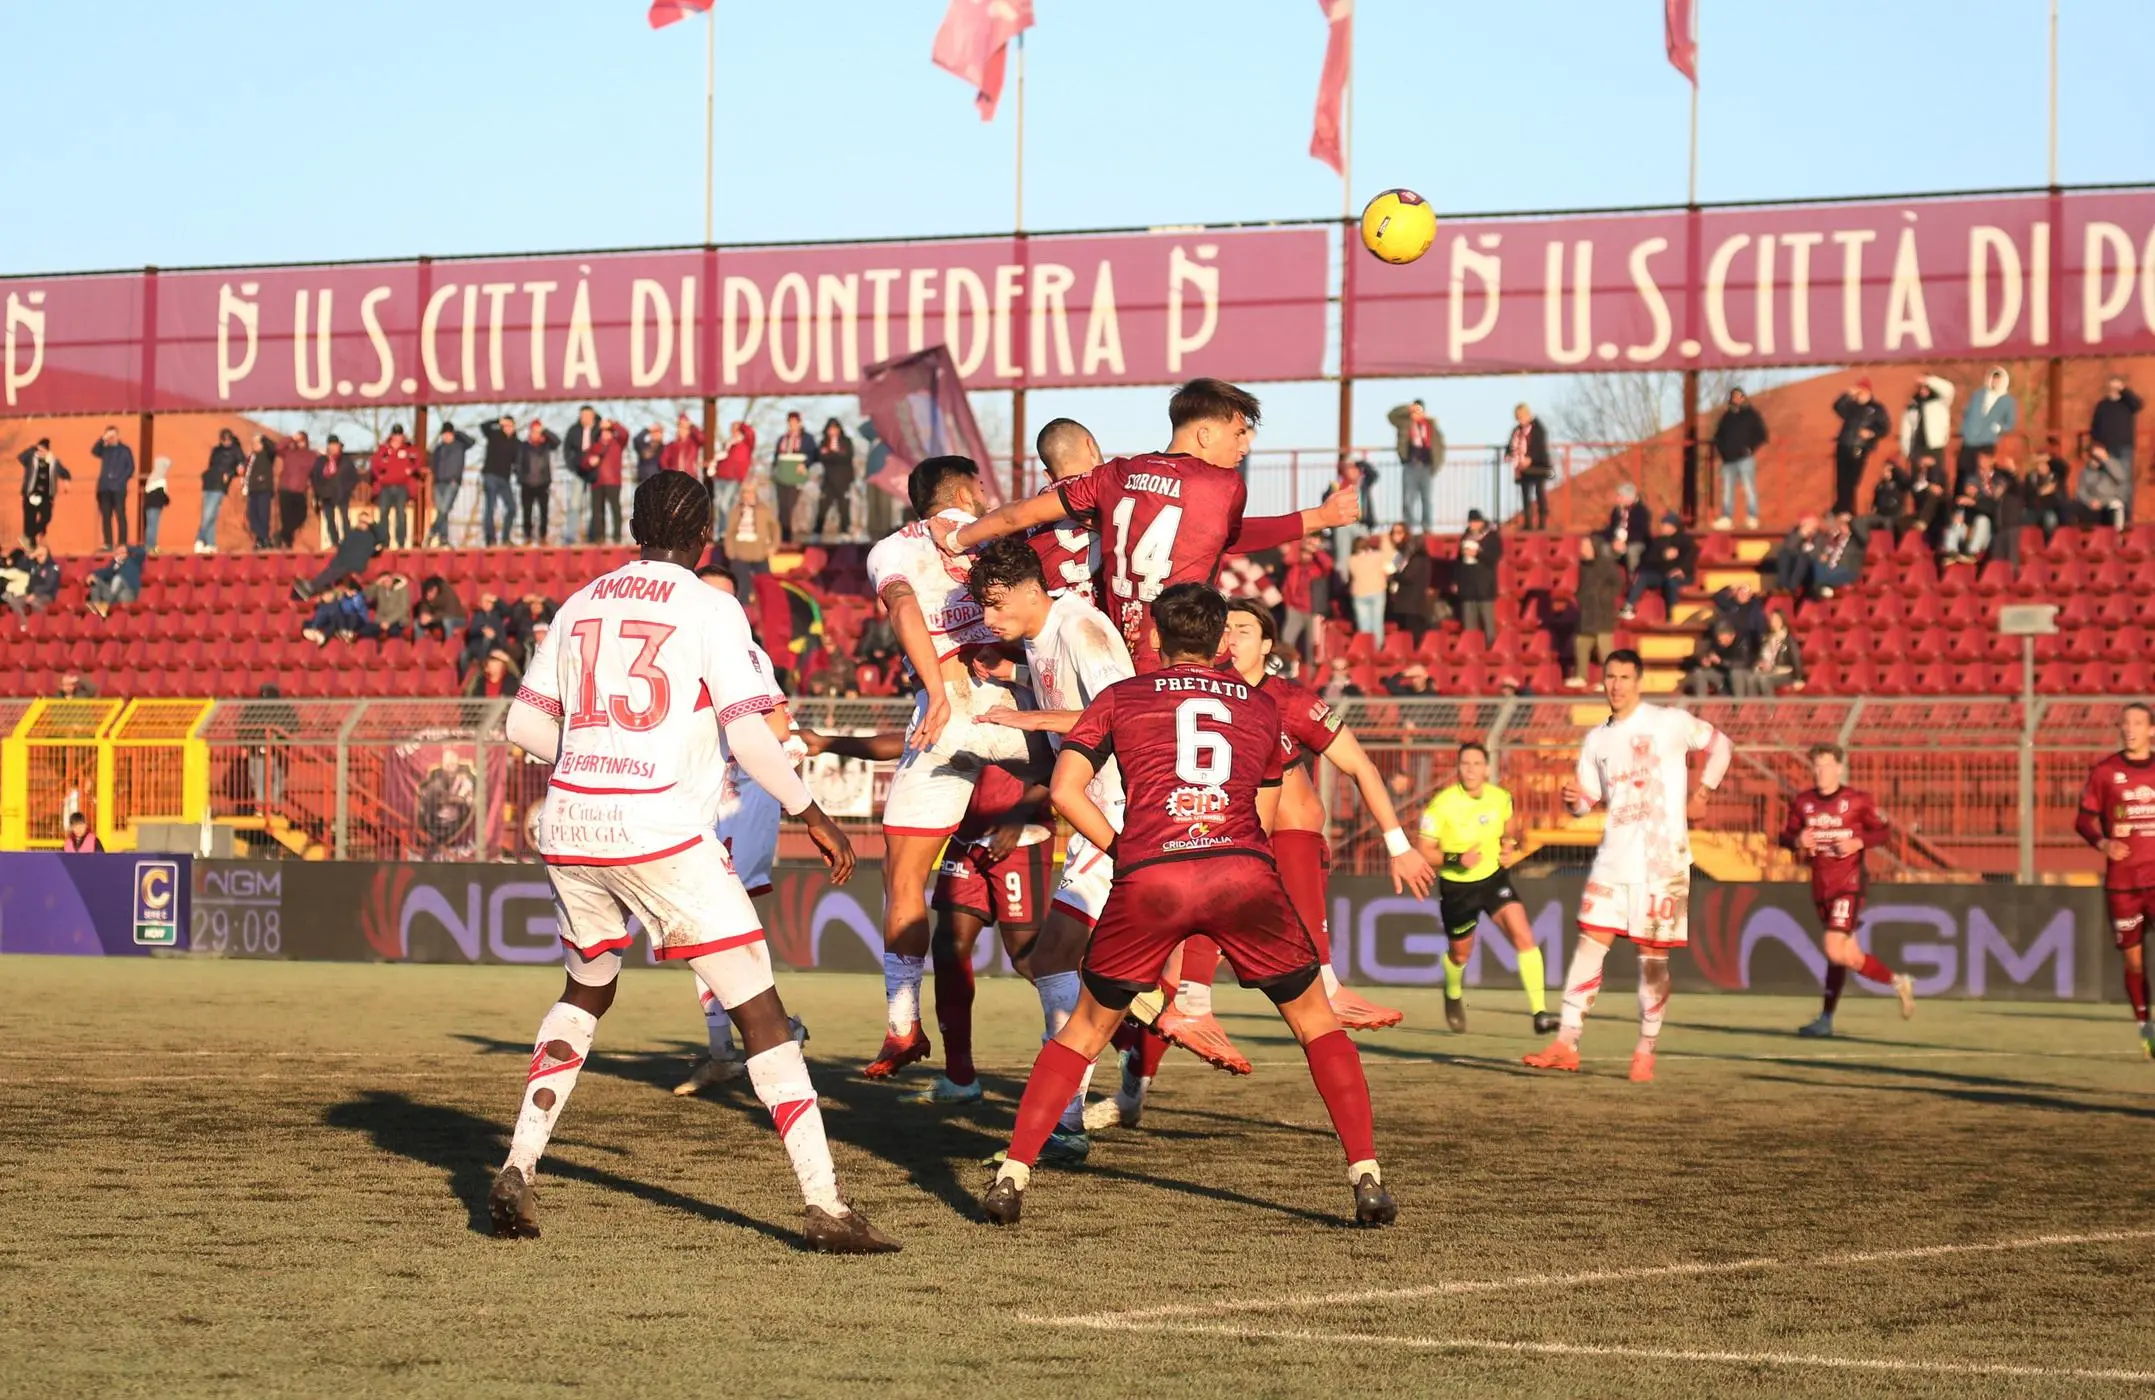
1032, 721
1004, 520
873, 748
1342, 507
1409, 869
918, 643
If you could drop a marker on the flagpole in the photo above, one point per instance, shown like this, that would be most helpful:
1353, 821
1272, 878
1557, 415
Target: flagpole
1346, 246
710, 128
1691, 195
2053, 93
1017, 226
1695, 490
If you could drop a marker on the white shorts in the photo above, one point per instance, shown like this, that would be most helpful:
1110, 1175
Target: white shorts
1088, 875
748, 829
690, 905
932, 787
1652, 913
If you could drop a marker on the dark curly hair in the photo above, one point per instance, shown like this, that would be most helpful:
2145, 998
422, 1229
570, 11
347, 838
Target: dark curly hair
1001, 565
672, 512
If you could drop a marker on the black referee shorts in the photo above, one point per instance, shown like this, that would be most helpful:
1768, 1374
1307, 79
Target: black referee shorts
1463, 902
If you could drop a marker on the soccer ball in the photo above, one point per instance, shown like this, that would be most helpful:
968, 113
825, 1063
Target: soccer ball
1398, 226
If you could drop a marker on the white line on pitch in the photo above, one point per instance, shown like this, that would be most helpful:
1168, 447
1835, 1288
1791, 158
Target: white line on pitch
1792, 1057
1726, 1358
1116, 1319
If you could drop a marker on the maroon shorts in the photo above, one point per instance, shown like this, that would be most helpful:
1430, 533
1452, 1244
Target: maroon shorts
1235, 900
1011, 892
2129, 911
1838, 913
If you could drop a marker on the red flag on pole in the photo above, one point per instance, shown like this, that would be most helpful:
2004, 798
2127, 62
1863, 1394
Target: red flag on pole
1679, 21
972, 40
1324, 142
665, 12
919, 409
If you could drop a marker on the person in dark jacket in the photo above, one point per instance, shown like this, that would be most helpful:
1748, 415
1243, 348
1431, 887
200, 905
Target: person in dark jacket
1527, 454
792, 455
296, 460
2046, 496
580, 474
535, 477
438, 610
260, 488
1671, 562
1474, 577
1927, 494
115, 471
1721, 655
1863, 425
1740, 606
1838, 560
1630, 527
1413, 579
497, 477
485, 629
2116, 425
1600, 583
1778, 664
41, 478
452, 450
649, 446
361, 542
1737, 438
40, 574
119, 581
227, 460
336, 481
1986, 514
834, 454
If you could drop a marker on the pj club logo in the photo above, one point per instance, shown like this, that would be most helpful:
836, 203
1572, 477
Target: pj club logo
157, 903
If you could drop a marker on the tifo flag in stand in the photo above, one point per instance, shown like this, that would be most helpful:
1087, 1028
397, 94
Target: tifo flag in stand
1324, 136
919, 409
1679, 21
665, 12
971, 43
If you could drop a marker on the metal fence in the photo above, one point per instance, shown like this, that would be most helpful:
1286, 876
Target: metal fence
1973, 788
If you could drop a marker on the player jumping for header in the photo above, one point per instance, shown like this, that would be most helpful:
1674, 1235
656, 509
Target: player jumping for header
1831, 826
1639, 888
2117, 817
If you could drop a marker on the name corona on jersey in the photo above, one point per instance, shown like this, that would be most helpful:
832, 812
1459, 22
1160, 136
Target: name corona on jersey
1153, 484
650, 590
1205, 685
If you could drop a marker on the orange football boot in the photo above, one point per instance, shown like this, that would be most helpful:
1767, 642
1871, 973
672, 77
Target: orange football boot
1202, 1037
898, 1052
1557, 1055
1642, 1065
1358, 1013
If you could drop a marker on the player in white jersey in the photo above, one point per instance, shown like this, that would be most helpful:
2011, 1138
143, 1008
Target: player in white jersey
627, 696
1637, 764
939, 626
1073, 653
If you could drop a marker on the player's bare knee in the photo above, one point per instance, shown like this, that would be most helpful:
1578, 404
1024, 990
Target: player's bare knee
1460, 950
762, 1022
592, 998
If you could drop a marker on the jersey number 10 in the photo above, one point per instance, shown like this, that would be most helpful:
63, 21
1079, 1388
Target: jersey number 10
596, 710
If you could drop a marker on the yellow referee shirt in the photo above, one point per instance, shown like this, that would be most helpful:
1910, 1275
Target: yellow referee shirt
1455, 822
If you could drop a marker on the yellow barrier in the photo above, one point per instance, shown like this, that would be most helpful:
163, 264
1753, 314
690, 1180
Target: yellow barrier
124, 761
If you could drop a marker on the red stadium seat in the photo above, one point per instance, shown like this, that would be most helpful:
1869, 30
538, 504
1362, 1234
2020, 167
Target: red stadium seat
2053, 678
1934, 678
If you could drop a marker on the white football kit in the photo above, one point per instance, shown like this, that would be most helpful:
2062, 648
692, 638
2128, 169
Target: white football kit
932, 787
745, 817
1640, 884
643, 668
1077, 655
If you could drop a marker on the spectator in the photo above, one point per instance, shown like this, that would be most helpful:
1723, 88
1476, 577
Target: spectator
535, 478
1629, 526
1362, 477
259, 486
1721, 655
446, 462
119, 581
487, 628
353, 553
791, 457
1737, 438
342, 614
1927, 494
74, 687
1302, 567
390, 598
295, 481
496, 678
1838, 562
1890, 497
80, 840
1600, 581
1927, 422
396, 466
41, 478
752, 533
227, 460
115, 469
2105, 489
1412, 682
1991, 414
1421, 457
1413, 583
1779, 664
1671, 562
1474, 578
1369, 580
2115, 426
582, 473
1740, 606
40, 583
528, 620
834, 454
156, 495
439, 609
1339, 683
335, 481
1792, 562
1528, 455
1863, 423
731, 468
497, 478
649, 445
604, 456
1979, 510
2045, 500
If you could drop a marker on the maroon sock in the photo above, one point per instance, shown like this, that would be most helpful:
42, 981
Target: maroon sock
1200, 961
1151, 1049
1305, 859
1129, 1036
1875, 971
954, 1016
1836, 978
1337, 1067
2136, 991
1056, 1075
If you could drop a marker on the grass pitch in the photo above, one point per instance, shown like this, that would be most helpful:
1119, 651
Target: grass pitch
269, 1179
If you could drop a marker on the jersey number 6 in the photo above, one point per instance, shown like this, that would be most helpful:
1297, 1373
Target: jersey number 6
1201, 759
596, 710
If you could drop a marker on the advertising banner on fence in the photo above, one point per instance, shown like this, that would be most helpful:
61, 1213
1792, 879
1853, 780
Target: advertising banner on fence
1139, 308
1999, 941
104, 905
1986, 278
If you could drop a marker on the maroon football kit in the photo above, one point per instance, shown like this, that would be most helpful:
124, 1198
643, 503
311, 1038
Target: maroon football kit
1065, 551
2118, 804
1838, 882
1011, 891
1307, 725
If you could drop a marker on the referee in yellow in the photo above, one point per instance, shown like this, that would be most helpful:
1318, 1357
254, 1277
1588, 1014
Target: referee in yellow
1469, 833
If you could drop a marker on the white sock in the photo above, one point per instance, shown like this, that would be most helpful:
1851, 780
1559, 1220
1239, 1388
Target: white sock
1193, 998
901, 991
564, 1028
1058, 1000
715, 1020
1582, 983
1653, 996
1331, 980
780, 1076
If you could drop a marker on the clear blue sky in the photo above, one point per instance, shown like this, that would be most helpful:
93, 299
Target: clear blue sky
260, 130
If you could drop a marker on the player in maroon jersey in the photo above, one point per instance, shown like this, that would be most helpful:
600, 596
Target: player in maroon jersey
2117, 817
1166, 517
1067, 449
1831, 826
1199, 755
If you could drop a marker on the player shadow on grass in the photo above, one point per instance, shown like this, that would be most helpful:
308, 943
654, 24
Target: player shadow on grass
1966, 1088
658, 1069
1778, 1033
466, 1147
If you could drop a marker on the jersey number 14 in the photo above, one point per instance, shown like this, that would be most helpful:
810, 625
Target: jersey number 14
1142, 572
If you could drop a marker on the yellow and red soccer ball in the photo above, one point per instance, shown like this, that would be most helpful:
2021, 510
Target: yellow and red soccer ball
1398, 226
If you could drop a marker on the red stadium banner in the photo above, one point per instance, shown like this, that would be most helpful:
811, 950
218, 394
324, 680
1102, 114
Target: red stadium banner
2022, 276
1051, 311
